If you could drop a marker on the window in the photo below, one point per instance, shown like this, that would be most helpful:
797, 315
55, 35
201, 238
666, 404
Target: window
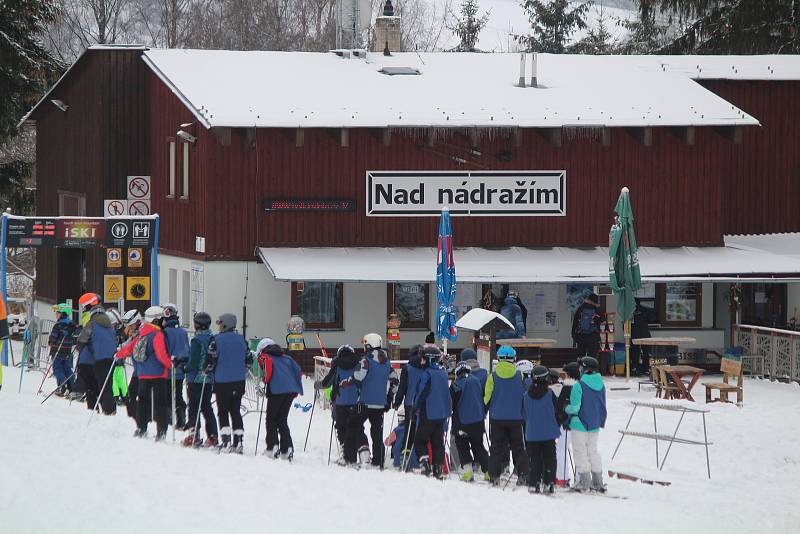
680, 303
320, 304
646, 297
410, 301
185, 190
173, 286
171, 167
71, 204
187, 291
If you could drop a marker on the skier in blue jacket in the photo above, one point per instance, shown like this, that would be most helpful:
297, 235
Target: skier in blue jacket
587, 411
434, 407
410, 374
178, 348
377, 385
230, 360
96, 346
61, 343
541, 431
283, 379
468, 416
198, 385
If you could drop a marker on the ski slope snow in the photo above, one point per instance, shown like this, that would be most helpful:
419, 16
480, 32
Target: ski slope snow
59, 475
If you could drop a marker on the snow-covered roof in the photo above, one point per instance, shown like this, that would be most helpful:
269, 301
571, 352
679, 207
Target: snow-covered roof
477, 318
323, 90
765, 67
517, 264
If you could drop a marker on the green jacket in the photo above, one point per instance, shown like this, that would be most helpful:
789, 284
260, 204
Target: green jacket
594, 381
197, 356
504, 369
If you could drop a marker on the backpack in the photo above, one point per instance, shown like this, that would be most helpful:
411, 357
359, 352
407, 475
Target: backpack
586, 323
139, 353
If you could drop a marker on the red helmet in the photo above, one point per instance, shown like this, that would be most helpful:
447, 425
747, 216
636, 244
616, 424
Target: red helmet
88, 299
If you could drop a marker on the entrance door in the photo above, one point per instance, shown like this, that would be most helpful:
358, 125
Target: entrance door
764, 305
71, 274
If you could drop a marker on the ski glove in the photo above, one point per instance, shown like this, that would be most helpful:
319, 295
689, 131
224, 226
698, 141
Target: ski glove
248, 360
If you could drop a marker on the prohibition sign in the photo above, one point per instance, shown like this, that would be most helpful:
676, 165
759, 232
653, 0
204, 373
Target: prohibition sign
138, 207
138, 188
116, 207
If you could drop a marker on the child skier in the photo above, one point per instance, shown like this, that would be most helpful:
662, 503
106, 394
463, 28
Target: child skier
230, 359
466, 393
563, 472
377, 385
526, 368
198, 384
587, 411
131, 322
283, 379
470, 356
503, 396
396, 441
410, 374
119, 382
178, 348
433, 407
61, 343
152, 364
541, 431
344, 400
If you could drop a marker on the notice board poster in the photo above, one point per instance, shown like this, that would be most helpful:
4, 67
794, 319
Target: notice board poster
541, 301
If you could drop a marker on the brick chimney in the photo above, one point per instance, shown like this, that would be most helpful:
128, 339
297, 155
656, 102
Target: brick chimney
387, 31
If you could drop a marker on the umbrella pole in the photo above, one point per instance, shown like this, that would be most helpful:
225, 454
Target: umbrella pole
627, 330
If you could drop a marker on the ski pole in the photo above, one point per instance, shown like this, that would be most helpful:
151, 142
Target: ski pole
407, 458
50, 366
58, 387
510, 474
330, 441
260, 415
308, 431
100, 395
21, 363
200, 409
172, 389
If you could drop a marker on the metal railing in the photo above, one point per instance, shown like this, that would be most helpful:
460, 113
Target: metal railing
780, 349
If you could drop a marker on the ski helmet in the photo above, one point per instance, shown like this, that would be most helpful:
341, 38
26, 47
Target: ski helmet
467, 354
264, 343
588, 365
431, 354
540, 373
88, 300
170, 310
372, 341
202, 321
572, 370
506, 352
62, 307
131, 318
463, 369
153, 314
344, 349
114, 317
524, 366
227, 321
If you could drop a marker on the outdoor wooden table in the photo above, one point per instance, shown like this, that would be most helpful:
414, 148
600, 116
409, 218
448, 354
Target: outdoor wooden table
663, 347
679, 371
522, 342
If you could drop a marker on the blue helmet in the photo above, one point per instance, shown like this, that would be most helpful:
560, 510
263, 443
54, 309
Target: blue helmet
506, 352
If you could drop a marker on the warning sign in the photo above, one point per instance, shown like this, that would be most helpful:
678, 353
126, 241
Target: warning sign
138, 187
134, 258
138, 287
114, 258
112, 287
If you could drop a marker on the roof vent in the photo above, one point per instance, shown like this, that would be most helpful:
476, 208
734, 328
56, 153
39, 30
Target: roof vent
400, 71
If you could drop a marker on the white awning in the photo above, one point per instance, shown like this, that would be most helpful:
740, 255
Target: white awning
734, 261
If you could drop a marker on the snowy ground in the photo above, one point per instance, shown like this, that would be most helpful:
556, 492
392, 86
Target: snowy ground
58, 475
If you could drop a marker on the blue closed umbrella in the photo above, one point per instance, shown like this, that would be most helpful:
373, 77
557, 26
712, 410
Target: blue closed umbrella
445, 282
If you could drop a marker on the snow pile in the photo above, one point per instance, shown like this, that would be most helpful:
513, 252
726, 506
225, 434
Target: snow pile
57, 475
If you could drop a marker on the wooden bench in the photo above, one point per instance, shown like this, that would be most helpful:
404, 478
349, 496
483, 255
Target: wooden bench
731, 367
665, 388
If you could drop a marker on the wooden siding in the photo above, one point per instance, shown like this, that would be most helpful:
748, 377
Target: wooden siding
761, 180
91, 148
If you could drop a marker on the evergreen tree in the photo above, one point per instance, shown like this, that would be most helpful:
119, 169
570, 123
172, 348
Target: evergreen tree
597, 41
468, 26
736, 26
645, 34
552, 24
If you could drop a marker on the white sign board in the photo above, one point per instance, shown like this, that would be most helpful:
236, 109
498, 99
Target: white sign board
137, 208
197, 282
138, 188
115, 208
470, 193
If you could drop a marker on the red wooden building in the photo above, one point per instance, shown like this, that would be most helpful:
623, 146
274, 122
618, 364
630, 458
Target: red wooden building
705, 144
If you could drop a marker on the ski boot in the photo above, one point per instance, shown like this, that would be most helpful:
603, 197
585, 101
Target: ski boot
522, 480
238, 442
597, 483
583, 483
225, 444
535, 488
437, 472
161, 435
288, 455
364, 456
468, 474
192, 440
140, 433
424, 466
211, 441
550, 489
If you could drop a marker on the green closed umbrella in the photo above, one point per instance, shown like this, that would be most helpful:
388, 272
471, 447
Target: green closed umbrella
623, 266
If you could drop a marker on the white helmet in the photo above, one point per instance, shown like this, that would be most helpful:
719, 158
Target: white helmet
113, 317
524, 366
170, 309
263, 344
131, 318
372, 341
153, 314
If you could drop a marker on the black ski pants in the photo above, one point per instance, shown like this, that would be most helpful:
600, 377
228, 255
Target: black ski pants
433, 431
469, 442
198, 404
278, 433
229, 404
341, 420
587, 345
542, 456
355, 434
86, 375
180, 403
505, 436
153, 395
101, 375
133, 387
